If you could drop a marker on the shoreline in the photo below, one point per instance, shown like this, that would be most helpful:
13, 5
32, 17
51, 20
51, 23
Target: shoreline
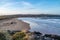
14, 24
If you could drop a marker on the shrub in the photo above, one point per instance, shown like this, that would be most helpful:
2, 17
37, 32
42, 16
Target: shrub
2, 36
18, 36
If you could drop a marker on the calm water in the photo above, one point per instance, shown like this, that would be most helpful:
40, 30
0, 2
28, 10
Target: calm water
49, 26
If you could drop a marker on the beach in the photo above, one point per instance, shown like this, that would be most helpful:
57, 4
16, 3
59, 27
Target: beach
13, 24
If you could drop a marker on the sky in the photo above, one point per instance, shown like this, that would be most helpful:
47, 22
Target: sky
11, 7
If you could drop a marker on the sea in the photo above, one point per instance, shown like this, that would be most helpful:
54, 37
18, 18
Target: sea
45, 26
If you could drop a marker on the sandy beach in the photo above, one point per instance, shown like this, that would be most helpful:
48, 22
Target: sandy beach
13, 24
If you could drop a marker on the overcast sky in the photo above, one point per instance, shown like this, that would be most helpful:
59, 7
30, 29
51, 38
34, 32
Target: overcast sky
9, 7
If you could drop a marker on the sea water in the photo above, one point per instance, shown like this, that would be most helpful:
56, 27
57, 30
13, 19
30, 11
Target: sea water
45, 26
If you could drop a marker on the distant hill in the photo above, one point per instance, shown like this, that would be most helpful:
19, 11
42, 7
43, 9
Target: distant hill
30, 15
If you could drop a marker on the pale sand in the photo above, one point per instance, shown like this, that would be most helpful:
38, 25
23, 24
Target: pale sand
13, 24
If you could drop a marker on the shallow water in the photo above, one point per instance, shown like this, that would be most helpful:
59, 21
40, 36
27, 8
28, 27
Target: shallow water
45, 26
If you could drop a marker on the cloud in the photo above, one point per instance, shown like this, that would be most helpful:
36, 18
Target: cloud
9, 8
26, 3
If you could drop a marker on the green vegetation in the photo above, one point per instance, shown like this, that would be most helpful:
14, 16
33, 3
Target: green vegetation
5, 35
19, 36
2, 36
